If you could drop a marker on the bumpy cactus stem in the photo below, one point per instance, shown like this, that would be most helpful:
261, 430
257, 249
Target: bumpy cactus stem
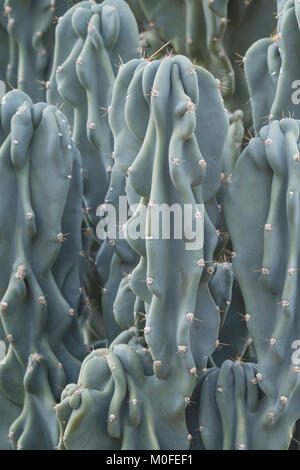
272, 69
30, 43
178, 303
228, 400
41, 283
260, 230
92, 41
214, 33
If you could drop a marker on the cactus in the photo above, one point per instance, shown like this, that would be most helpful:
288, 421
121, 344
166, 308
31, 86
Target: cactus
91, 40
264, 237
40, 287
227, 401
196, 30
28, 57
272, 70
248, 21
4, 45
169, 291
176, 328
127, 98
214, 33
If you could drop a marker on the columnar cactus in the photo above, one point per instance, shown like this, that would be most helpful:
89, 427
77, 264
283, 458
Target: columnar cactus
196, 29
228, 401
175, 298
31, 43
4, 45
149, 248
127, 97
92, 41
214, 33
248, 21
40, 249
272, 69
264, 234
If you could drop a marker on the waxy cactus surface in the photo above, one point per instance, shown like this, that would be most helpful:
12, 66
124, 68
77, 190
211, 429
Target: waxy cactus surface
149, 218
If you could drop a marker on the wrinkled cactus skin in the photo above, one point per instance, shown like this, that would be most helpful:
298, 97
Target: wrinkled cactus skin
269, 282
92, 42
140, 364
40, 290
134, 340
272, 69
27, 46
216, 34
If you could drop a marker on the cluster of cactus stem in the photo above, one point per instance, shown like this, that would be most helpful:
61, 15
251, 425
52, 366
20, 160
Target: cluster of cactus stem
126, 343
